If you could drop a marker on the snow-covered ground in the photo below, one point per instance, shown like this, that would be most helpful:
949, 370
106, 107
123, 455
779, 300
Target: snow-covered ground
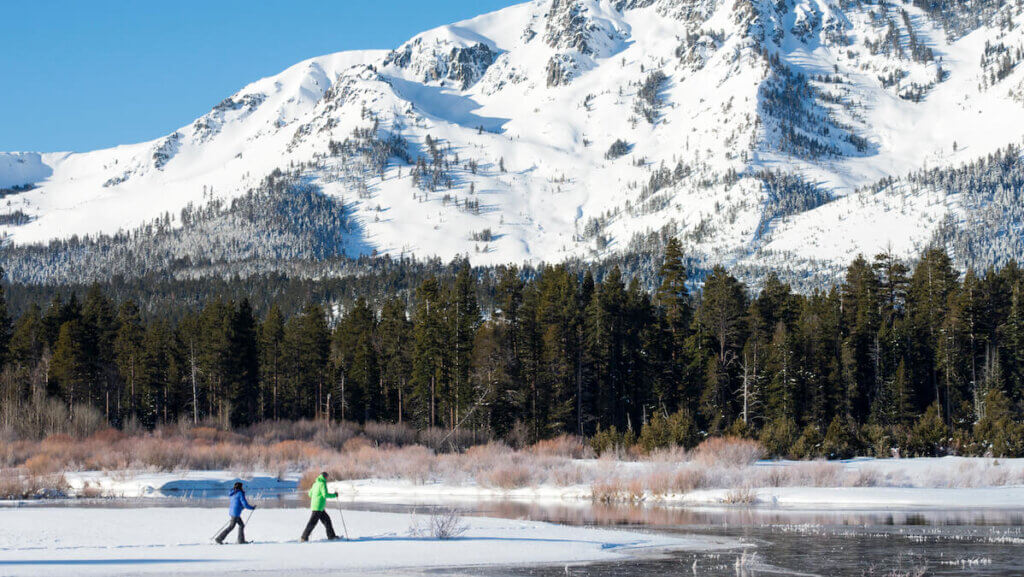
950, 482
86, 541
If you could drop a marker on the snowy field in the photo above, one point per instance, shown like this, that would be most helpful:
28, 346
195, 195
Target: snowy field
948, 482
87, 541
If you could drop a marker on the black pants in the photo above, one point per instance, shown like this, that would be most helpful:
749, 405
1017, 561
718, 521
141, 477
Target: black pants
241, 530
322, 517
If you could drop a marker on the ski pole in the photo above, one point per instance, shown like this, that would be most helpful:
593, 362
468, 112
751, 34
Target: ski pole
342, 515
224, 526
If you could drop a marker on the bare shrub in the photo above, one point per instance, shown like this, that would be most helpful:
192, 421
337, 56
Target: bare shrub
454, 441
295, 452
667, 455
566, 475
609, 490
306, 480
486, 455
43, 464
772, 477
443, 523
18, 485
12, 486
398, 435
636, 490
740, 496
689, 479
162, 454
335, 436
816, 474
507, 477
728, 452
863, 477
106, 436
90, 491
568, 446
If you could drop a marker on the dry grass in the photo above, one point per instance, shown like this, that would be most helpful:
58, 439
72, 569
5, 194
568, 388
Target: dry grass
568, 446
690, 479
387, 452
609, 490
508, 477
20, 484
740, 496
727, 452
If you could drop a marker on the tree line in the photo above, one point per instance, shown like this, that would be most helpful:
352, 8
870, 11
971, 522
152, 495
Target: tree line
921, 359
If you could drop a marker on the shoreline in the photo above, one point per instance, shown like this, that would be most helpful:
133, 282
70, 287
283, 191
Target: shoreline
968, 483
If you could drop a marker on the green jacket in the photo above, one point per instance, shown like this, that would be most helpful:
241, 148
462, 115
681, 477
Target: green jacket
318, 494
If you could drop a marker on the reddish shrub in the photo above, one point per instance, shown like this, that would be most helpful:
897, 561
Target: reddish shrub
728, 451
43, 464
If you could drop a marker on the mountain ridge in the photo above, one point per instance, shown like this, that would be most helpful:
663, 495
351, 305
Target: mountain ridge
762, 134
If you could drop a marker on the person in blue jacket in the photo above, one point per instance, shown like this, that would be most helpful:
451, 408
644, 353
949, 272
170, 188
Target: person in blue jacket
238, 503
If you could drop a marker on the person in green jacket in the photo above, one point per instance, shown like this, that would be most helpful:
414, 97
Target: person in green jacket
318, 496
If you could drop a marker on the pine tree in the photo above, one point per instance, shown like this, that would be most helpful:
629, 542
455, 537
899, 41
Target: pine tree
722, 320
243, 366
673, 298
933, 281
430, 342
930, 435
69, 369
395, 338
271, 347
99, 321
128, 351
354, 355
5, 326
860, 347
1011, 341
306, 354
492, 378
156, 378
27, 340
893, 406
840, 440
998, 431
464, 321
558, 317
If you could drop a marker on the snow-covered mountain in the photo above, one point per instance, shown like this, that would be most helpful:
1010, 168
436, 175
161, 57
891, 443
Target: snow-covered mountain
784, 133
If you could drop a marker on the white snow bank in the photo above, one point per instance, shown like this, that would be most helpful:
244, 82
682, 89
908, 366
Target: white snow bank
185, 483
952, 482
48, 541
861, 498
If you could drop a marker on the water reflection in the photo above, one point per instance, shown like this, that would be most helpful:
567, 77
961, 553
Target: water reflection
680, 517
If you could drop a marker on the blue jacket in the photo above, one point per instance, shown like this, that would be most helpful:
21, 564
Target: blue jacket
238, 503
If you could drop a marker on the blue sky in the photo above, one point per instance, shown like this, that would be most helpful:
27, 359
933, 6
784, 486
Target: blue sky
86, 74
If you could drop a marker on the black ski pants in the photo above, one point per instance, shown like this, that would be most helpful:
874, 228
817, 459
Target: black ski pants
322, 517
241, 530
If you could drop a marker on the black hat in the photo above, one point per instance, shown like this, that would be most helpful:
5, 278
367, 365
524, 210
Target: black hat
238, 485
324, 474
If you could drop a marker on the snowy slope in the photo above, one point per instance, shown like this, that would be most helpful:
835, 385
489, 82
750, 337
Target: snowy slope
747, 128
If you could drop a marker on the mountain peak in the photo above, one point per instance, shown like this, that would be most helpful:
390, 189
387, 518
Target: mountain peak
763, 134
